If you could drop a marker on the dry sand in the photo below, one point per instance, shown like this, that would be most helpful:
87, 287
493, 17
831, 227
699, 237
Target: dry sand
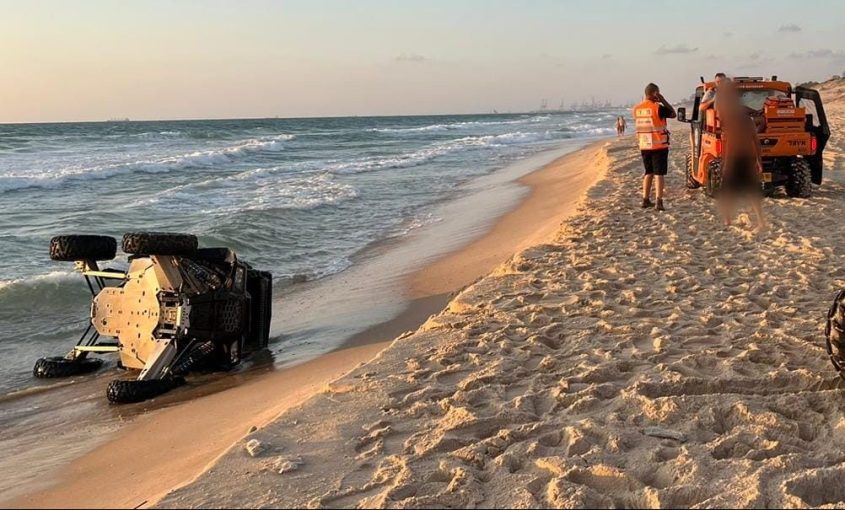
633, 359
168, 448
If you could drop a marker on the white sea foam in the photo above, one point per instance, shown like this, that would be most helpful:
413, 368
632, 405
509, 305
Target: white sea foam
333, 267
53, 277
52, 179
431, 152
150, 134
309, 193
460, 125
252, 190
599, 131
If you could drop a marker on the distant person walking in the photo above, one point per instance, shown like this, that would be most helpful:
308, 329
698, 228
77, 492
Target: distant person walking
742, 164
653, 139
620, 125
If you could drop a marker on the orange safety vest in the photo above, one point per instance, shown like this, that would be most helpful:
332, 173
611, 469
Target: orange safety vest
652, 133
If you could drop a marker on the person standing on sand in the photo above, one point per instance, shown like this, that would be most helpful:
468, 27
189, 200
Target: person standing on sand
653, 139
742, 163
620, 125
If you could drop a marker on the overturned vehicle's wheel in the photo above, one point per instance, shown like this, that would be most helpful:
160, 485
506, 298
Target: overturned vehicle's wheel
122, 391
835, 333
159, 243
196, 358
55, 367
82, 247
260, 287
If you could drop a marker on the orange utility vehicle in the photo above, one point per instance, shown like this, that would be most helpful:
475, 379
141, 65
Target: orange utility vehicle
793, 132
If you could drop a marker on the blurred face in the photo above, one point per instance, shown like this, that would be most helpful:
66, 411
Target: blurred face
720, 80
655, 95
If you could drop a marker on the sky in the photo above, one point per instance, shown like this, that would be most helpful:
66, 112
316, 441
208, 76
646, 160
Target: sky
75, 60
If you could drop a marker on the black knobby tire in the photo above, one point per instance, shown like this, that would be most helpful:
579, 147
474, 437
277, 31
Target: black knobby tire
835, 333
235, 352
267, 308
799, 183
159, 243
691, 182
55, 367
714, 177
260, 286
229, 355
122, 391
196, 358
82, 247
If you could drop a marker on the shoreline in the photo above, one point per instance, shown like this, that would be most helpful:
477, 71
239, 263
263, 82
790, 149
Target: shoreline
154, 471
537, 215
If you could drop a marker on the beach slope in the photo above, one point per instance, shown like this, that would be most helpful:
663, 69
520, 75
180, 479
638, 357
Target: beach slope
633, 359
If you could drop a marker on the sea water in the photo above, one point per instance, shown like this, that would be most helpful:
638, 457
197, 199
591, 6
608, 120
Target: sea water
302, 198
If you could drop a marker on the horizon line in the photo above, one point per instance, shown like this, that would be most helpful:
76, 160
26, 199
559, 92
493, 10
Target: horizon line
196, 119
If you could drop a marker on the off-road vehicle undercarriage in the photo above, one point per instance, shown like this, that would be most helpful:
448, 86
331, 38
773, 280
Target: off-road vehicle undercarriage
176, 308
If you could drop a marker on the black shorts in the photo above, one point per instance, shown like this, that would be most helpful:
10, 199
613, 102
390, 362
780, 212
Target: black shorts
656, 162
742, 177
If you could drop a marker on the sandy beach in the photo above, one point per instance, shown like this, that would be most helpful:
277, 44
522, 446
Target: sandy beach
590, 354
309, 254
192, 435
631, 359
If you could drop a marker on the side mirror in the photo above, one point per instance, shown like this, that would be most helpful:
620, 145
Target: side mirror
682, 114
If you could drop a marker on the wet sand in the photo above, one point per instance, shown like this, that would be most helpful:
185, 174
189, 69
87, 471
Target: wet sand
191, 436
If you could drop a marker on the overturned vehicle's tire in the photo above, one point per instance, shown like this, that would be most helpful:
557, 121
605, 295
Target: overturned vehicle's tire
56, 367
122, 391
260, 287
196, 358
82, 247
159, 243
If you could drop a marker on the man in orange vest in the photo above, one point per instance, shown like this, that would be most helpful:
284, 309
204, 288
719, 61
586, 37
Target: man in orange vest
653, 138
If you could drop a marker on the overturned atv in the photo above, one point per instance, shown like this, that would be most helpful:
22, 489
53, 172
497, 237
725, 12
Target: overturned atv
178, 307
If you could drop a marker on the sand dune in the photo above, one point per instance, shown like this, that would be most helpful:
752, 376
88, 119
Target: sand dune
634, 359
833, 93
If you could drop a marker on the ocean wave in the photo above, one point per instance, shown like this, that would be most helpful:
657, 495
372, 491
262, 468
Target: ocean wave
431, 152
433, 127
309, 193
52, 278
460, 125
334, 267
599, 131
151, 134
253, 190
51, 305
47, 294
198, 159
